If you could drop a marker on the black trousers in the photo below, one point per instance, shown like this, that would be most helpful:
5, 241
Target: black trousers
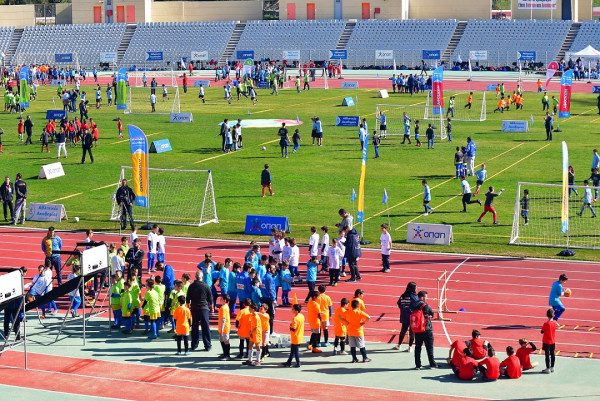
8, 205
549, 133
353, 265
411, 335
200, 317
87, 150
426, 338
311, 288
466, 200
11, 314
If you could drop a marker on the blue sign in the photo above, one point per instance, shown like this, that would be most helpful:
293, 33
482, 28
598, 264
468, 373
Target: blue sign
262, 225
338, 54
526, 55
245, 54
160, 146
263, 85
514, 126
55, 114
595, 89
348, 101
203, 82
431, 55
347, 121
491, 87
63, 58
154, 56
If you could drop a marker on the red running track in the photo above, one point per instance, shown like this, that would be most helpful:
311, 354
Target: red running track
504, 298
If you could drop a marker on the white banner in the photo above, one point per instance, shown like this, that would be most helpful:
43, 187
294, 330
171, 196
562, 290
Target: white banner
94, 259
11, 286
349, 85
478, 55
515, 126
108, 57
52, 170
537, 4
204, 82
56, 82
199, 55
181, 118
438, 234
291, 55
384, 54
383, 94
46, 212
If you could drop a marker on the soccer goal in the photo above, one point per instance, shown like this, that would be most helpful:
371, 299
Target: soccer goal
544, 218
317, 78
462, 111
394, 117
168, 78
138, 100
184, 197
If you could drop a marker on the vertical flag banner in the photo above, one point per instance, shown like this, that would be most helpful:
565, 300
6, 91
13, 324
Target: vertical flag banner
139, 158
353, 196
564, 104
385, 196
438, 91
470, 71
564, 210
24, 87
122, 89
361, 186
247, 66
552, 68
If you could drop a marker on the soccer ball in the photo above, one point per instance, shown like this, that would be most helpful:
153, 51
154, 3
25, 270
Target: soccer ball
264, 148
75, 219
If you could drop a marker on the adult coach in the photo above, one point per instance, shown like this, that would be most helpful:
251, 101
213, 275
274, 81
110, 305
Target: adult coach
548, 122
423, 335
555, 293
52, 243
347, 219
86, 145
135, 257
125, 198
199, 297
470, 151
21, 193
28, 124
595, 161
353, 252
7, 191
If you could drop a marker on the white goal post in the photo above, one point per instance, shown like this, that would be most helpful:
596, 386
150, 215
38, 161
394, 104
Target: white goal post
543, 227
138, 100
394, 117
184, 197
476, 111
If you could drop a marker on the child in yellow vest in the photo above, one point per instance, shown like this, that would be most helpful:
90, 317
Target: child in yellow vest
127, 307
115, 301
151, 307
160, 288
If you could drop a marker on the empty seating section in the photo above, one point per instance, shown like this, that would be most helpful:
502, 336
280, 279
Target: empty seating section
39, 43
314, 38
5, 35
408, 38
589, 34
177, 40
503, 38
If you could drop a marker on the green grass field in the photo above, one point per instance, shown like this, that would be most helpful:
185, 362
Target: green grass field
313, 184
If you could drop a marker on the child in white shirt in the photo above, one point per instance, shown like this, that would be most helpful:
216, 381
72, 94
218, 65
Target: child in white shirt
334, 257
295, 259
324, 248
160, 247
385, 241
313, 242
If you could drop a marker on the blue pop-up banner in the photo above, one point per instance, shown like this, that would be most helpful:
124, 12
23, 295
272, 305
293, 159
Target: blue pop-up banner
262, 225
347, 121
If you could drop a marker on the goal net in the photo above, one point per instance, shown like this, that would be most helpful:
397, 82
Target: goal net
184, 197
317, 78
169, 78
462, 111
138, 100
544, 218
394, 117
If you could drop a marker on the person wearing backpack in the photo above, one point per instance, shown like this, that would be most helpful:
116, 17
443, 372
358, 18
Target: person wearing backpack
405, 303
420, 324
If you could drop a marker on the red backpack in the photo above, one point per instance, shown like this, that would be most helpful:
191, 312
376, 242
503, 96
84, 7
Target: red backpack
417, 320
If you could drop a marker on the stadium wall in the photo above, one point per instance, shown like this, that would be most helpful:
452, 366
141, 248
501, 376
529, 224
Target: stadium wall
350, 9
64, 13
461, 10
18, 16
581, 11
188, 11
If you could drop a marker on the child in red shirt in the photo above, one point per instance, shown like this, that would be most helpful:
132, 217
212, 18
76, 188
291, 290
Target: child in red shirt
458, 347
523, 354
549, 340
490, 366
467, 366
478, 346
511, 366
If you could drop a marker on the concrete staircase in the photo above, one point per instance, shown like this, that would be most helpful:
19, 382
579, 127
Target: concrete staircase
12, 46
454, 40
233, 42
346, 33
125, 41
571, 35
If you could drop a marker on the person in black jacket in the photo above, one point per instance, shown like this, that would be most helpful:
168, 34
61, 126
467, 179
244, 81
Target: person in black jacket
125, 198
21, 200
406, 301
353, 252
200, 299
83, 111
86, 144
7, 191
426, 336
28, 124
135, 257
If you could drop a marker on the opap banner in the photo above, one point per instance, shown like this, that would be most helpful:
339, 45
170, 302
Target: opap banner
384, 54
262, 225
201, 55
349, 85
438, 91
138, 144
438, 234
564, 103
122, 89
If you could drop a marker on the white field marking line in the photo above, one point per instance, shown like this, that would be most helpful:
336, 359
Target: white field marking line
232, 153
63, 392
127, 140
498, 173
104, 187
449, 255
442, 294
254, 377
438, 185
158, 384
64, 197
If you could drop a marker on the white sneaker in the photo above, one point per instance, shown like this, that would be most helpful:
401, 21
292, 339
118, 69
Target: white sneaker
409, 350
426, 214
546, 371
552, 370
397, 347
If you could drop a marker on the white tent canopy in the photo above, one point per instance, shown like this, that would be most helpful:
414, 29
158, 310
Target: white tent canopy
587, 52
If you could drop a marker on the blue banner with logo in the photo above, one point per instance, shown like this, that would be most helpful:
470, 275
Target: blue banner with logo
63, 58
55, 114
139, 159
347, 121
203, 82
431, 54
122, 89
160, 146
245, 54
348, 101
528, 55
338, 54
24, 87
262, 225
154, 56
